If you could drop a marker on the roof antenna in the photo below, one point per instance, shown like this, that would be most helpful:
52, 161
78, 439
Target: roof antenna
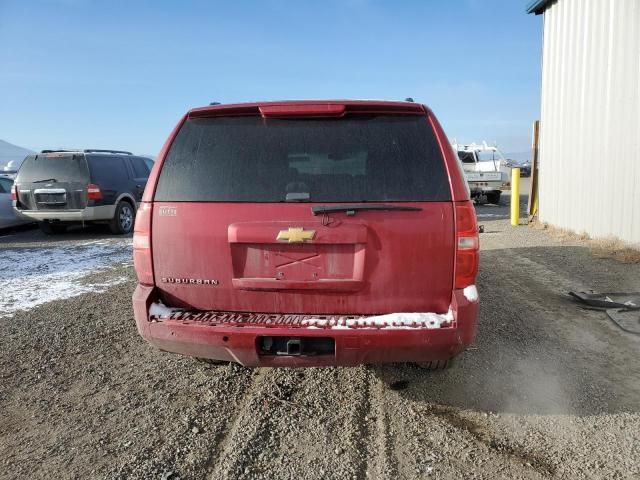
214, 103
408, 99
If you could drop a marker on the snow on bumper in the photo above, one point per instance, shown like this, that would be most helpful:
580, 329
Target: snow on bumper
391, 320
233, 336
471, 293
158, 312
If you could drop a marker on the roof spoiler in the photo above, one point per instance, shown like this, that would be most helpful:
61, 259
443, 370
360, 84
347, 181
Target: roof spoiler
312, 108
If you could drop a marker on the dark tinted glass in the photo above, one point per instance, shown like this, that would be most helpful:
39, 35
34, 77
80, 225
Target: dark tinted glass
140, 169
149, 163
466, 157
5, 185
107, 169
59, 168
356, 158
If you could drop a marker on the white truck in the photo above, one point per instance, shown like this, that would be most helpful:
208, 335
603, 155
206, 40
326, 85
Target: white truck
488, 173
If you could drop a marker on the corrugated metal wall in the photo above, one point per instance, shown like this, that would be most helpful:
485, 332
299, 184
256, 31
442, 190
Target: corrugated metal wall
590, 118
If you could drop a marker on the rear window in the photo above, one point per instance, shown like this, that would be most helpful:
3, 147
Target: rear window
5, 185
55, 168
352, 159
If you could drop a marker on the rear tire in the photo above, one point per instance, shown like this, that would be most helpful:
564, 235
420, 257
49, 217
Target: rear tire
435, 364
52, 228
494, 197
123, 220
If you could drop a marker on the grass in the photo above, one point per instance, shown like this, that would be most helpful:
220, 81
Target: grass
607, 247
615, 248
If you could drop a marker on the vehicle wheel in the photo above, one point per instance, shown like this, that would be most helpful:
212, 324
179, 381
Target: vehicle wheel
435, 364
123, 220
493, 197
52, 228
211, 361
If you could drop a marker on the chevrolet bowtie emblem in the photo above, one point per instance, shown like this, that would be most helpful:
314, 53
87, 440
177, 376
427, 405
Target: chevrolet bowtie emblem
296, 235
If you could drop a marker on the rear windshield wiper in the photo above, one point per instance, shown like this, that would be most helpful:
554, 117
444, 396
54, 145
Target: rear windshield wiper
352, 209
45, 180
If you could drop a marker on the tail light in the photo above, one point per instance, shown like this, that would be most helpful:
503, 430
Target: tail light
14, 192
94, 192
467, 245
142, 244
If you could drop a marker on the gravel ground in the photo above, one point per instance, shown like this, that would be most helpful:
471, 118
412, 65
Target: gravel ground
547, 391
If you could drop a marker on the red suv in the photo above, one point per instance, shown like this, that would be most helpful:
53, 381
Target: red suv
308, 233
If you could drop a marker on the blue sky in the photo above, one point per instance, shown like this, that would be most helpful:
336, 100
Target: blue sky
119, 74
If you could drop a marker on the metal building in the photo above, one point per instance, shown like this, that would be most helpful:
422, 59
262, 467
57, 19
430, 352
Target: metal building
590, 117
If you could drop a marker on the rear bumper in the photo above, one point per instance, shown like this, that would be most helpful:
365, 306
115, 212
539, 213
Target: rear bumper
353, 346
102, 212
479, 187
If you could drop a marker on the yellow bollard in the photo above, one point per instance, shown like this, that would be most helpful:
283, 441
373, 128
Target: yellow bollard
515, 197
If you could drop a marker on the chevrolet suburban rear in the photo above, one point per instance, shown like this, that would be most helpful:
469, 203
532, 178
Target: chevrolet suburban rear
308, 233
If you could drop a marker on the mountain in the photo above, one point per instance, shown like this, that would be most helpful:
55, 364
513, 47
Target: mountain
10, 152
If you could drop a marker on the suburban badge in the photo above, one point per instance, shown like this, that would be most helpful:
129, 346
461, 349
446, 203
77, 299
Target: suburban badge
191, 281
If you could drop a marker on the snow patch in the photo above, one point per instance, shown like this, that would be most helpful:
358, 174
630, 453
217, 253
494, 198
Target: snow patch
159, 309
390, 320
471, 293
32, 276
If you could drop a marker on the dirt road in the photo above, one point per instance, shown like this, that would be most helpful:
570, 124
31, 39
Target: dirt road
547, 391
